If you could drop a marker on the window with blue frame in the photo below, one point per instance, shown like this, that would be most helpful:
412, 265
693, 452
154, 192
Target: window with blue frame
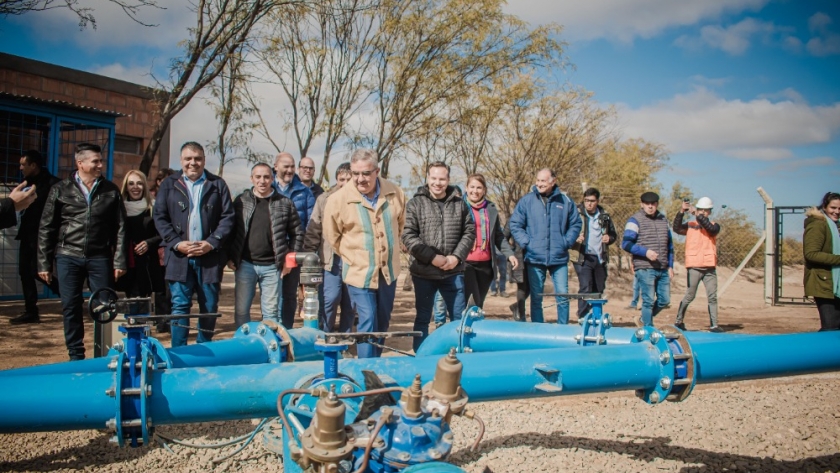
54, 131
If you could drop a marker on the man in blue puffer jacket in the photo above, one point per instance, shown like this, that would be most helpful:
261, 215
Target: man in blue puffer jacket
288, 184
546, 224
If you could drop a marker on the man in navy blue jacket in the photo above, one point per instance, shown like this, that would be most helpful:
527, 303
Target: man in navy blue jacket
194, 216
289, 184
545, 223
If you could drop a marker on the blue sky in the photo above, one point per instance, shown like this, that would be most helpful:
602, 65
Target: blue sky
743, 93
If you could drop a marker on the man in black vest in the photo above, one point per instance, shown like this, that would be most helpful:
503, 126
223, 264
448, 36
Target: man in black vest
647, 236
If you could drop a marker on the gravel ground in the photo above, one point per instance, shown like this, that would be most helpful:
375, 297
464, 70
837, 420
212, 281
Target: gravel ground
779, 425
783, 425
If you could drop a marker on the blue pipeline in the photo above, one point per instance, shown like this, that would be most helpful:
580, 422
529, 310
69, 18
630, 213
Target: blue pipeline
245, 348
500, 335
77, 401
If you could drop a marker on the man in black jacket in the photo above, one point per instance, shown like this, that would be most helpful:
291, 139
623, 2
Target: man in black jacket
590, 253
83, 230
34, 172
439, 233
267, 228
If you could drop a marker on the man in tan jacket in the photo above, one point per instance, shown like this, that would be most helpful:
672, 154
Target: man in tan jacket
363, 222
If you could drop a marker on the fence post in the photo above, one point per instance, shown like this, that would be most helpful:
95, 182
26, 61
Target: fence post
769, 247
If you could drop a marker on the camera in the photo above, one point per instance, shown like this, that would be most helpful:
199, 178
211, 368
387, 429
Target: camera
686, 200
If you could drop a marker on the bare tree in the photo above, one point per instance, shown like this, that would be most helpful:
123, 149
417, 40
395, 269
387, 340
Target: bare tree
19, 7
429, 52
221, 27
319, 56
562, 131
234, 114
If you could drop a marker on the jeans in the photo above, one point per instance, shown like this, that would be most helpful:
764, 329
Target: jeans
452, 291
592, 279
500, 274
247, 276
635, 302
288, 300
208, 302
709, 278
655, 288
336, 296
72, 272
560, 279
440, 309
28, 271
374, 307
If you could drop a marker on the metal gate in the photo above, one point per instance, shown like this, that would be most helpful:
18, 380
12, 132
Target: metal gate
796, 297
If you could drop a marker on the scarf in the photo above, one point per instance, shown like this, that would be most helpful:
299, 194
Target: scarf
134, 208
483, 223
835, 249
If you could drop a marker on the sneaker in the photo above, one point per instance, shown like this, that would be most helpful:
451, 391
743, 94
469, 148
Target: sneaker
639, 322
630, 307
26, 318
716, 329
680, 326
504, 294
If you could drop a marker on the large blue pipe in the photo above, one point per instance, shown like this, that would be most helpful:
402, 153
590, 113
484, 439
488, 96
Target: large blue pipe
243, 349
77, 401
501, 335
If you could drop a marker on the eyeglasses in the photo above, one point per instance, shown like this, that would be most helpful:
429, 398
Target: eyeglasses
307, 168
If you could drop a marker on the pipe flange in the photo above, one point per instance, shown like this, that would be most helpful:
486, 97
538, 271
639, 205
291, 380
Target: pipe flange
278, 343
465, 330
660, 391
685, 364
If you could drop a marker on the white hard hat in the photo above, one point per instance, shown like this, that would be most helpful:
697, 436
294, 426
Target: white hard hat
704, 203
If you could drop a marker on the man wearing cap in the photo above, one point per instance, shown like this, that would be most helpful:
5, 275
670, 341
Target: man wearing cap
700, 257
648, 238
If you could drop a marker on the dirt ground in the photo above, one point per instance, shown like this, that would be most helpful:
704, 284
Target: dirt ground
741, 310
780, 425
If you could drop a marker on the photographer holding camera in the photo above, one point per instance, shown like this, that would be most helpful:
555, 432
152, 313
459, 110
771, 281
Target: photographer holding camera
700, 257
589, 253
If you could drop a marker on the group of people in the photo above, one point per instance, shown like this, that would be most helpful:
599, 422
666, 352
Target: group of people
175, 239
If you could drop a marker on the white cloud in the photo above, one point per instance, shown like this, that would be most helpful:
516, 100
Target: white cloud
136, 74
819, 22
825, 42
760, 154
622, 20
795, 165
754, 129
734, 39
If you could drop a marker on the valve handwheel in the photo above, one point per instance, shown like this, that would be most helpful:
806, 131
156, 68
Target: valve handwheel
102, 305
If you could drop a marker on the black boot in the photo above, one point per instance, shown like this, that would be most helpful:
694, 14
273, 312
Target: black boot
517, 315
26, 318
